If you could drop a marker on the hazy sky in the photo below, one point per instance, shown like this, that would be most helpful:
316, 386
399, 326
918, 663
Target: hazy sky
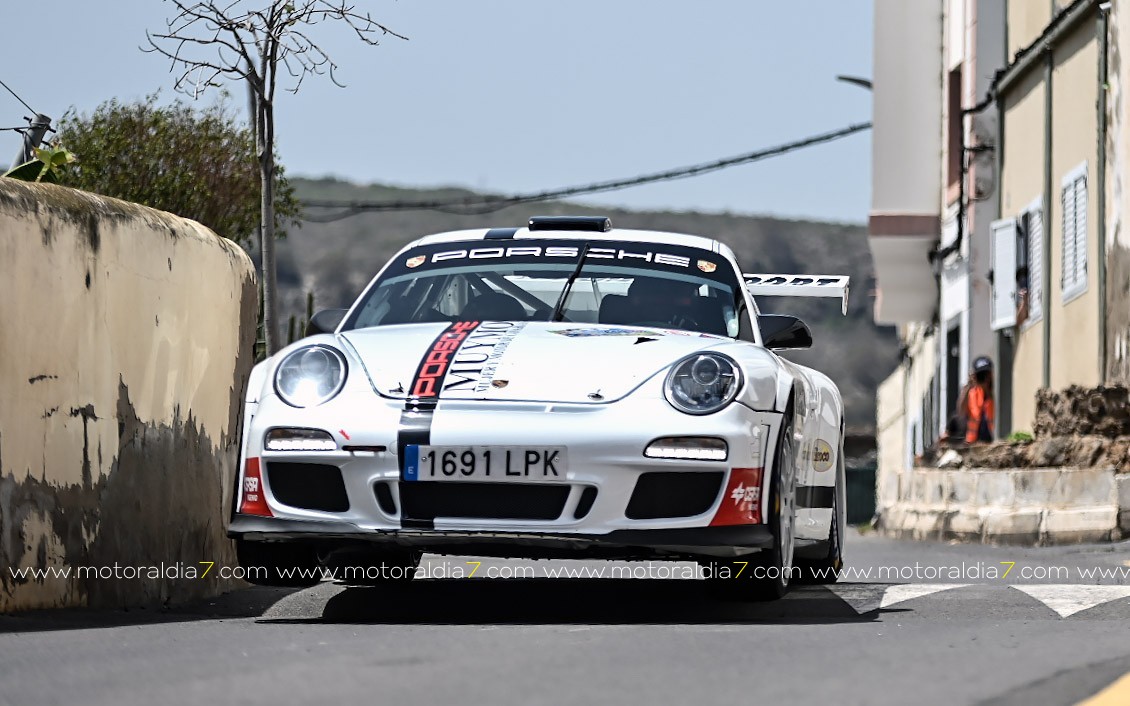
521, 95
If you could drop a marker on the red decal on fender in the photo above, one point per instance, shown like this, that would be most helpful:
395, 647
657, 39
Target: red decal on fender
741, 503
254, 502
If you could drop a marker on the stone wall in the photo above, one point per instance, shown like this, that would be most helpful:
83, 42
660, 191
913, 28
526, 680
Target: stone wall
1070, 483
1028, 506
127, 341
1095, 411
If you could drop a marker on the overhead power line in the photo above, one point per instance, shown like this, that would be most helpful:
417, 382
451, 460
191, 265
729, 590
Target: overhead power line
17, 97
475, 205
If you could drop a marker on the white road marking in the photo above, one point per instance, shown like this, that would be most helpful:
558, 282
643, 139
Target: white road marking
908, 591
869, 597
862, 597
1069, 599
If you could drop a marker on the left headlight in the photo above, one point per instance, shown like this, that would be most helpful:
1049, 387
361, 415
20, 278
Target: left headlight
310, 376
703, 383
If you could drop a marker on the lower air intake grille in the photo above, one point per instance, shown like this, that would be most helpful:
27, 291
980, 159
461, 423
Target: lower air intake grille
310, 486
384, 498
667, 494
485, 501
588, 497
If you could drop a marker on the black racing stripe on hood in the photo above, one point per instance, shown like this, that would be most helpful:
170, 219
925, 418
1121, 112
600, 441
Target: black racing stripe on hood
436, 362
419, 410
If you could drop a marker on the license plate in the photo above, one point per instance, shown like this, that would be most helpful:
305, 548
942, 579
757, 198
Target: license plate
539, 464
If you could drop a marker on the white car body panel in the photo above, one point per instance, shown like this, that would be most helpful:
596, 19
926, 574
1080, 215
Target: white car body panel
619, 364
595, 389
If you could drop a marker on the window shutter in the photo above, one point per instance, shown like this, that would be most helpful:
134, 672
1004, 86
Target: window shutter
1003, 300
1081, 232
1067, 199
1035, 263
1075, 232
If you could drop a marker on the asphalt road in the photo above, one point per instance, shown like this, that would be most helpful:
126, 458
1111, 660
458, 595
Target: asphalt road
941, 633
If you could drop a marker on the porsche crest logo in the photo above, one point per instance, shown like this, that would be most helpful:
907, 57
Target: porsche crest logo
415, 261
707, 266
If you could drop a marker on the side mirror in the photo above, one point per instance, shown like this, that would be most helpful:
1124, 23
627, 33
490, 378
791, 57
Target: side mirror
781, 332
325, 321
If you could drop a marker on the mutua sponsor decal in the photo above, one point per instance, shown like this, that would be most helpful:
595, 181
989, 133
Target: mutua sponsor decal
429, 377
464, 358
476, 362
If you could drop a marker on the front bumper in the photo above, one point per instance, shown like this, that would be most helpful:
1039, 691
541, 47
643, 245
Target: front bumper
619, 544
606, 463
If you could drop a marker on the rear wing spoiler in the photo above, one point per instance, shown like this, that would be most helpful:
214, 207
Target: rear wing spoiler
763, 285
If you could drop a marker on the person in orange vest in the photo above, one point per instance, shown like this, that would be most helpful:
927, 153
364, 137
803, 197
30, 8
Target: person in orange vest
976, 402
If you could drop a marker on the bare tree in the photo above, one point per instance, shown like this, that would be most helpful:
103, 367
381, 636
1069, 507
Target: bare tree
252, 41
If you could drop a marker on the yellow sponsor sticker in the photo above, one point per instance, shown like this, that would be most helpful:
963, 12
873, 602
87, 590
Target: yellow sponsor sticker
821, 455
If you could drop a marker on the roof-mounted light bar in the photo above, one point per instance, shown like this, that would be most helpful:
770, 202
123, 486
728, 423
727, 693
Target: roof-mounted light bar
596, 224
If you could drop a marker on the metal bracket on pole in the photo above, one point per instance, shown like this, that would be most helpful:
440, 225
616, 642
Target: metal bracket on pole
33, 138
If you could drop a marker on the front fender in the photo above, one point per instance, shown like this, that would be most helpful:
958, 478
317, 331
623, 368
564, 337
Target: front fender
769, 383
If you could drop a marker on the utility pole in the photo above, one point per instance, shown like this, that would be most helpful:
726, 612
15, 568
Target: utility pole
33, 138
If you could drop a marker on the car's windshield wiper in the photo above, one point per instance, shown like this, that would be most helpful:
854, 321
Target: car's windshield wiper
559, 308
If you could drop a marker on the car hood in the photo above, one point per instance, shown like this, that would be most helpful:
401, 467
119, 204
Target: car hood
520, 361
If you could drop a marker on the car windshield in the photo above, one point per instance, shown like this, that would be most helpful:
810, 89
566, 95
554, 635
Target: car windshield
626, 283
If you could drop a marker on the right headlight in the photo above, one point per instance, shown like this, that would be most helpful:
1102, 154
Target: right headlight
310, 376
703, 383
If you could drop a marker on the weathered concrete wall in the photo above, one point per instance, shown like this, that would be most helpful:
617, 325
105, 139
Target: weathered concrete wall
126, 345
1028, 506
1069, 484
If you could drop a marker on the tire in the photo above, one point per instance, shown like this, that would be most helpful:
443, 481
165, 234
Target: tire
826, 570
776, 562
368, 567
278, 563
735, 579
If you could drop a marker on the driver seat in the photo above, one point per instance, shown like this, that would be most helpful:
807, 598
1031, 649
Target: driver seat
493, 306
708, 313
614, 309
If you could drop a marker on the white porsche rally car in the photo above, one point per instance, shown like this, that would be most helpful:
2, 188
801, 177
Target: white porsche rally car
564, 390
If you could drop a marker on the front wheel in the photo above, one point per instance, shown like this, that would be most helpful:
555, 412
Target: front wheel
773, 567
765, 576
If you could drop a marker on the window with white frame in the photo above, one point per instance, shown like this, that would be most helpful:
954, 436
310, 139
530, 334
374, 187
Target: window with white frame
1073, 197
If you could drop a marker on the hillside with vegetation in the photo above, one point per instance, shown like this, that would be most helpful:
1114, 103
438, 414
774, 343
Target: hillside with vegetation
336, 260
